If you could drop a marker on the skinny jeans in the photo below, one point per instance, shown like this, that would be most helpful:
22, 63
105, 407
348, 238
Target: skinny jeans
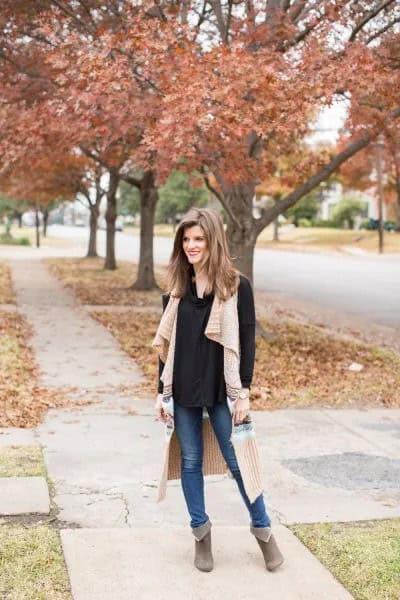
189, 430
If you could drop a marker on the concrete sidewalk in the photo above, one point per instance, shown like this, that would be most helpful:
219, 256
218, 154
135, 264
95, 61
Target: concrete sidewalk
72, 349
105, 459
148, 564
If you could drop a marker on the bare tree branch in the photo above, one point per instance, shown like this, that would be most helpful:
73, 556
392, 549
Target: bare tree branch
217, 8
228, 22
88, 12
202, 14
383, 30
297, 10
220, 196
368, 17
19, 68
132, 180
299, 37
83, 25
38, 38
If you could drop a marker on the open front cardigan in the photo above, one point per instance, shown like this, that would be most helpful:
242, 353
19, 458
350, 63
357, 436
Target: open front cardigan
198, 376
222, 327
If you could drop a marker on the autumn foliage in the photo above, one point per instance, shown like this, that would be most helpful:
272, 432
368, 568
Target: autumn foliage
228, 90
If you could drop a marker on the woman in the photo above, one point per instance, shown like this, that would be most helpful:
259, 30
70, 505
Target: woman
206, 343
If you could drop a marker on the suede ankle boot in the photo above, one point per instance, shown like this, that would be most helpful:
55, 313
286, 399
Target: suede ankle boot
271, 553
203, 558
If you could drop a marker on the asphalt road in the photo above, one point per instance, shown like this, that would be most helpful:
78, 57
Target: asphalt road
366, 286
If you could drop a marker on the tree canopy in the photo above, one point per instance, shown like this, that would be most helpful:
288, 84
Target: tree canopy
223, 88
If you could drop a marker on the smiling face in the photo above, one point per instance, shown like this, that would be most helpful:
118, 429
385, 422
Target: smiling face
195, 245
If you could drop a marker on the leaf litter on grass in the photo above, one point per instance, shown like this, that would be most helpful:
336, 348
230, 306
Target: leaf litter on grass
300, 366
303, 365
7, 295
23, 401
94, 285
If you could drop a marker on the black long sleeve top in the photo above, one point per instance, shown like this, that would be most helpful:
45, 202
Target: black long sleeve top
198, 371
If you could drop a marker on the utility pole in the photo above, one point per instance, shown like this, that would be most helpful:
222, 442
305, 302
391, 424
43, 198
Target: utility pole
379, 172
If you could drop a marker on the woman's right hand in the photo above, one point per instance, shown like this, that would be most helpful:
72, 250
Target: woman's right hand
160, 414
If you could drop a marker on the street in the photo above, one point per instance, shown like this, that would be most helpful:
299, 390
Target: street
365, 286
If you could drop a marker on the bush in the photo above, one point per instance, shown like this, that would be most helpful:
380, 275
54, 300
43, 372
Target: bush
9, 240
306, 208
346, 210
324, 223
304, 222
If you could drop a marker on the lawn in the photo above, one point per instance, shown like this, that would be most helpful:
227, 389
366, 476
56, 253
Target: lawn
32, 564
297, 365
364, 556
96, 286
22, 461
29, 234
31, 559
300, 366
23, 402
326, 238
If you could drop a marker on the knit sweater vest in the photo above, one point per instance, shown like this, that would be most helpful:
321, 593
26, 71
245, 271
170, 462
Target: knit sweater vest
222, 327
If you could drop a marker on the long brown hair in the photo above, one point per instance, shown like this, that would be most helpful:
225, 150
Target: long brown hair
223, 278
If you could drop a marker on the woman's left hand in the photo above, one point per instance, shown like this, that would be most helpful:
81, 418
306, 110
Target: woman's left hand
241, 409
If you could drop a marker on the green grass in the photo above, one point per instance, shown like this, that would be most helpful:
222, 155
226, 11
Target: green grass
364, 556
9, 240
31, 564
22, 461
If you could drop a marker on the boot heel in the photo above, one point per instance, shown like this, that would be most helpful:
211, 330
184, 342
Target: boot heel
272, 555
203, 558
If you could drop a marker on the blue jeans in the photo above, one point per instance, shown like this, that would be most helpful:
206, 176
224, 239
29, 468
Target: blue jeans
189, 430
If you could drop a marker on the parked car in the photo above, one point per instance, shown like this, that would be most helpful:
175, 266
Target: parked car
373, 224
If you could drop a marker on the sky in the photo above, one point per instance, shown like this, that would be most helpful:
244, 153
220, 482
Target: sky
329, 122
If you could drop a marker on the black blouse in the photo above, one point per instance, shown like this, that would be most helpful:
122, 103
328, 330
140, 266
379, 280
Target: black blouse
198, 372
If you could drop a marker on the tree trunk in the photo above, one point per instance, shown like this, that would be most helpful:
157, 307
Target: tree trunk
397, 208
37, 225
148, 202
19, 217
111, 214
241, 231
45, 221
276, 230
94, 217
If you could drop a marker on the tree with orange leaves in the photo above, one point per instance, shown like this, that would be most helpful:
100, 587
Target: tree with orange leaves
68, 83
253, 95
48, 178
224, 88
359, 172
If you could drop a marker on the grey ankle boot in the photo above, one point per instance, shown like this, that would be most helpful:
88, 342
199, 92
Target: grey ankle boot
271, 553
203, 558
